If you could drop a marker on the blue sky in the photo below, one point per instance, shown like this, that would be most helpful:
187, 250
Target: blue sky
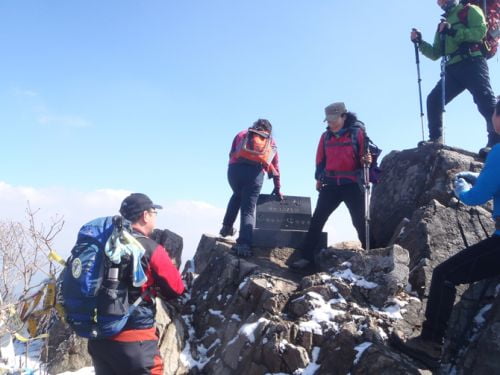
147, 95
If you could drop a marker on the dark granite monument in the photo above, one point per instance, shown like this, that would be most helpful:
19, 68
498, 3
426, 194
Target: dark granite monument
283, 223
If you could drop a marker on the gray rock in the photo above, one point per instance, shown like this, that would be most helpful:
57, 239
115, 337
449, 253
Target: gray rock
436, 232
387, 268
337, 354
378, 359
410, 180
66, 351
172, 337
295, 357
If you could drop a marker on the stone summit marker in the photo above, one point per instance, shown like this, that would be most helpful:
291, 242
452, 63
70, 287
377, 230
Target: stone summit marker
283, 223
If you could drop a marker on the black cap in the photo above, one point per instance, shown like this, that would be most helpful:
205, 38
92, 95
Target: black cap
263, 124
135, 204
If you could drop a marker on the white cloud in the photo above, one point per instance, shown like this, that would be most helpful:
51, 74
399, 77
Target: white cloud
187, 218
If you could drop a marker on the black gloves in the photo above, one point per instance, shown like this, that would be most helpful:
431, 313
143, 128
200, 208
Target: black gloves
276, 191
445, 28
416, 36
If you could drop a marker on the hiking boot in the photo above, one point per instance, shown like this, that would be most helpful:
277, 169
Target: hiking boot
431, 141
242, 250
493, 139
227, 231
424, 350
483, 153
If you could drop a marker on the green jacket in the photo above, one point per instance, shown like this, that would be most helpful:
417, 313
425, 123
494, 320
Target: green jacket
473, 32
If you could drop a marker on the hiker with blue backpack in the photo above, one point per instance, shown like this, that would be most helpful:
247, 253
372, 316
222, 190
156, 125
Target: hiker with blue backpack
112, 277
253, 154
341, 155
474, 263
460, 43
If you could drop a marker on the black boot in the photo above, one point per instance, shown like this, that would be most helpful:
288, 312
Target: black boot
431, 141
227, 230
421, 348
493, 139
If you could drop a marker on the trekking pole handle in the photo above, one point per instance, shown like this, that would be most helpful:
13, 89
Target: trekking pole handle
418, 35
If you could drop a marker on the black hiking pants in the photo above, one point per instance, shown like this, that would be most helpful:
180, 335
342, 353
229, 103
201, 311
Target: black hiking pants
474, 263
246, 182
125, 358
470, 74
330, 197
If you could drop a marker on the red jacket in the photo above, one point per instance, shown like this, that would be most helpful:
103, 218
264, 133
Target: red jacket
238, 139
163, 280
338, 158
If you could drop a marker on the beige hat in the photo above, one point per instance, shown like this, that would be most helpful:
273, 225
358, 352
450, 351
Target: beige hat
333, 111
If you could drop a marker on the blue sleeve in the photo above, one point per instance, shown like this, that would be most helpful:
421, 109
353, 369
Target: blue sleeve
488, 182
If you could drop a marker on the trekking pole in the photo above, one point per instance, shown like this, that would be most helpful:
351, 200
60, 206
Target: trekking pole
443, 79
417, 60
366, 175
366, 184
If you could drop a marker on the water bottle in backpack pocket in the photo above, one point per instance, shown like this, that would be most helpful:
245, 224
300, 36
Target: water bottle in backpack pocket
112, 299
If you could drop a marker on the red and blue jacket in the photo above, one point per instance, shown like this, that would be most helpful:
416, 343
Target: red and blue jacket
238, 140
338, 157
164, 280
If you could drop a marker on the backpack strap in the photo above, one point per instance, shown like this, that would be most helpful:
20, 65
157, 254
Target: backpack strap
466, 49
259, 132
463, 14
357, 127
146, 293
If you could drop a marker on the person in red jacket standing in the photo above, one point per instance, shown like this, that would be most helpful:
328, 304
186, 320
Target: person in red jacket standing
135, 349
339, 165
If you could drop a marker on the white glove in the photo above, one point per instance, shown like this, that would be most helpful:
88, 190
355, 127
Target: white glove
461, 186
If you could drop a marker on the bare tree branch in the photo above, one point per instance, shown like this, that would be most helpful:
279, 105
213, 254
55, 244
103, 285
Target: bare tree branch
24, 250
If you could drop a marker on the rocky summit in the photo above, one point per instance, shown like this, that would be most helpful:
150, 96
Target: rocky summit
256, 316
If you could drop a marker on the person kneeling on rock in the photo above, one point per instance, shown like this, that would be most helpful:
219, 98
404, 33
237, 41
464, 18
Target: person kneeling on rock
474, 263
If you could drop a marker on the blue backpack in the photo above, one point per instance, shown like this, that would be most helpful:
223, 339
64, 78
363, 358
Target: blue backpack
95, 291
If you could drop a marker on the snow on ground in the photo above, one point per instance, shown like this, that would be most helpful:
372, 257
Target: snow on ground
249, 329
13, 352
360, 349
312, 367
322, 314
360, 281
185, 356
